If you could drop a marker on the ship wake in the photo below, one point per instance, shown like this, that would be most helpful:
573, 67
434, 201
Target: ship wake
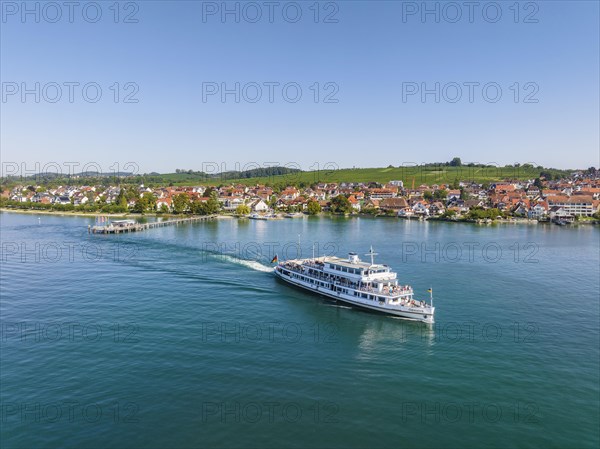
253, 264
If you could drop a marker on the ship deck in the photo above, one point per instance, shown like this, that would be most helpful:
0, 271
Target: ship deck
396, 292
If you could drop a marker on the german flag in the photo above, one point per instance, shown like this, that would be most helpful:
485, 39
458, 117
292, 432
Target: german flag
275, 259
429, 290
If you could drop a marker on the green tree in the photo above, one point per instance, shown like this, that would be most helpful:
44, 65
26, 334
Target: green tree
313, 208
440, 194
479, 213
455, 162
448, 214
150, 201
121, 198
273, 201
369, 211
212, 206
210, 192
132, 193
198, 207
181, 202
242, 209
427, 195
341, 205
90, 196
147, 202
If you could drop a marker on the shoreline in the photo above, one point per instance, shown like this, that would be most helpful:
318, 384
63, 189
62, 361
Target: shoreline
92, 214
514, 221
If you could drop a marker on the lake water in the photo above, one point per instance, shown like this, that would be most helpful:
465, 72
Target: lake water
181, 337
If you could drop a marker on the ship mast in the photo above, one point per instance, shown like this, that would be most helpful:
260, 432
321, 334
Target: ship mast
372, 254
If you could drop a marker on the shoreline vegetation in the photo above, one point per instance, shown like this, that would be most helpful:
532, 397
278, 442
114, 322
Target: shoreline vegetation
506, 220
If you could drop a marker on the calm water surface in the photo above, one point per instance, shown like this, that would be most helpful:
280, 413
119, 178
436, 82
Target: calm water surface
181, 337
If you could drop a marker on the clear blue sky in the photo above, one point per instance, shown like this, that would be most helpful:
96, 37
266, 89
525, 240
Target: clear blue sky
368, 54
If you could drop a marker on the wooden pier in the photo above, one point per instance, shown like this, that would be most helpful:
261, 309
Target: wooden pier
121, 226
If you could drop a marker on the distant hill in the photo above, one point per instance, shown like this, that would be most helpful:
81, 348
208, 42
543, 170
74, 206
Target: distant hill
425, 174
280, 176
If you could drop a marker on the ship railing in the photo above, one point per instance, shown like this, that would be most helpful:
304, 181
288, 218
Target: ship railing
313, 265
404, 302
396, 291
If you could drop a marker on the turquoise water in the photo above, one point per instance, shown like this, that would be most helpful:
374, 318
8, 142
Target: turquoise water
180, 337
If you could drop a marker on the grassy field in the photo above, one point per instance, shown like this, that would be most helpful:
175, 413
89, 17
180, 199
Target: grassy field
421, 175
438, 174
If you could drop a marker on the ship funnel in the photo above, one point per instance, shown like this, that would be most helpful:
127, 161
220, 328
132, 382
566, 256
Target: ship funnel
353, 258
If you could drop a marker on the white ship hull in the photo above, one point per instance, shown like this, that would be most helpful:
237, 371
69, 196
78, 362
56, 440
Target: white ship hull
330, 290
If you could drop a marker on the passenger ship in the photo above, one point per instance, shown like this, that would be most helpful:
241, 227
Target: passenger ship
352, 281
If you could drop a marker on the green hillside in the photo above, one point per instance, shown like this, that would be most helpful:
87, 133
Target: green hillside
421, 175
424, 174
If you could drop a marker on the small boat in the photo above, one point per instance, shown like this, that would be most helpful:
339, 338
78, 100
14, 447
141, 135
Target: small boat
293, 215
256, 216
362, 284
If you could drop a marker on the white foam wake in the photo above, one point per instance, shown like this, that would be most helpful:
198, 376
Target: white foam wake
250, 264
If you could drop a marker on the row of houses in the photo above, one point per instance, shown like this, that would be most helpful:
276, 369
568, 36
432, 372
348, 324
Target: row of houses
578, 196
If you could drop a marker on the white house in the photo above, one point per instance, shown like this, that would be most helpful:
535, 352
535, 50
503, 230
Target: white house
420, 208
259, 206
354, 203
163, 202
